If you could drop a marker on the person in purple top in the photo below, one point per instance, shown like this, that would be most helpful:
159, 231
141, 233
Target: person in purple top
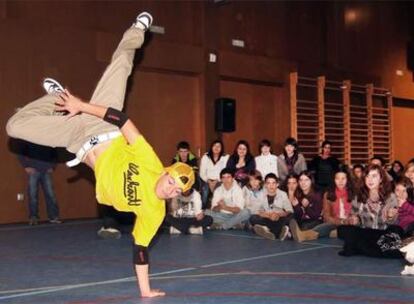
405, 196
307, 209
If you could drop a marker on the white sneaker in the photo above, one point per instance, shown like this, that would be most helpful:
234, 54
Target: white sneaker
109, 233
143, 21
264, 232
284, 233
51, 86
174, 230
196, 230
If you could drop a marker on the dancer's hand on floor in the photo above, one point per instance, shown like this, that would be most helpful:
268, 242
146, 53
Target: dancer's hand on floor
153, 293
70, 103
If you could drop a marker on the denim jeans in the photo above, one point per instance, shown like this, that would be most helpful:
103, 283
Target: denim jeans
45, 180
228, 220
324, 229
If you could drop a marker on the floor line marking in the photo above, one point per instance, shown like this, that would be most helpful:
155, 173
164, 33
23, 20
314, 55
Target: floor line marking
261, 257
66, 287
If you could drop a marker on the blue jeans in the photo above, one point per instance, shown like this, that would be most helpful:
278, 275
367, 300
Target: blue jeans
45, 180
324, 229
228, 220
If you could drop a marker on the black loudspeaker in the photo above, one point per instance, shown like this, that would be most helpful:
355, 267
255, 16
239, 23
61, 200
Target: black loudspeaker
410, 55
225, 115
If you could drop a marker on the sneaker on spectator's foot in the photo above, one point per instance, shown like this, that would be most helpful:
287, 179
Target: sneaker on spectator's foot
51, 86
264, 232
33, 221
284, 233
55, 221
109, 233
195, 230
333, 234
143, 21
216, 226
174, 230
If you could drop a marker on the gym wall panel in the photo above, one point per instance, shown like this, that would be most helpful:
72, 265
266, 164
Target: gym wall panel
403, 135
258, 109
164, 107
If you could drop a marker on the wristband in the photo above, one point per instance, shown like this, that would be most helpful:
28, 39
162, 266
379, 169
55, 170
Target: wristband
140, 256
115, 117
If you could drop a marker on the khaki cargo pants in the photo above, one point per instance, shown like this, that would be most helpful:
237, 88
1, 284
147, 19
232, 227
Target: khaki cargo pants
36, 122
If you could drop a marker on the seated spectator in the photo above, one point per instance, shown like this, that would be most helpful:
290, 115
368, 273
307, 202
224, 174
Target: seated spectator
273, 217
396, 170
337, 203
228, 207
409, 171
241, 162
374, 210
290, 161
186, 215
307, 210
266, 162
291, 188
184, 155
379, 161
405, 197
357, 176
253, 192
211, 165
375, 205
324, 167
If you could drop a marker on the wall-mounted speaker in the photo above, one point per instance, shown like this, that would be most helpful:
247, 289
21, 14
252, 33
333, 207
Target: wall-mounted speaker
225, 118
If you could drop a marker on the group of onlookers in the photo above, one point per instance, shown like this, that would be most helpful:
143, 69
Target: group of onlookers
283, 196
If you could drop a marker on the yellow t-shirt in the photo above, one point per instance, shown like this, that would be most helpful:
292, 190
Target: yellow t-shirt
126, 176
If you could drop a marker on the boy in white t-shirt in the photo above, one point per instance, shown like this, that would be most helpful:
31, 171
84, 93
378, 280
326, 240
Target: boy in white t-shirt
228, 206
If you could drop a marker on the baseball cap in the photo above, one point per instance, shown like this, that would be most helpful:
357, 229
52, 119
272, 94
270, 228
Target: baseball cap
183, 175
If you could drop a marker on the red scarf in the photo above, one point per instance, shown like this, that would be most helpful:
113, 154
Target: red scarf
347, 205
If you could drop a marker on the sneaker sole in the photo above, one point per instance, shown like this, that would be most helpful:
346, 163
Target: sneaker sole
263, 233
51, 86
148, 17
109, 235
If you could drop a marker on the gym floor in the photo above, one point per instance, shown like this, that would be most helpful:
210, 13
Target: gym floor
69, 264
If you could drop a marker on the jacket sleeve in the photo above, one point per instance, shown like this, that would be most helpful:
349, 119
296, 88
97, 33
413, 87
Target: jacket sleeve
314, 209
328, 217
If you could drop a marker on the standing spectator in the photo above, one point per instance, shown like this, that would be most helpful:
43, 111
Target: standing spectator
228, 207
184, 155
186, 215
266, 162
253, 192
290, 161
396, 170
307, 210
211, 165
241, 162
272, 219
39, 162
324, 166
